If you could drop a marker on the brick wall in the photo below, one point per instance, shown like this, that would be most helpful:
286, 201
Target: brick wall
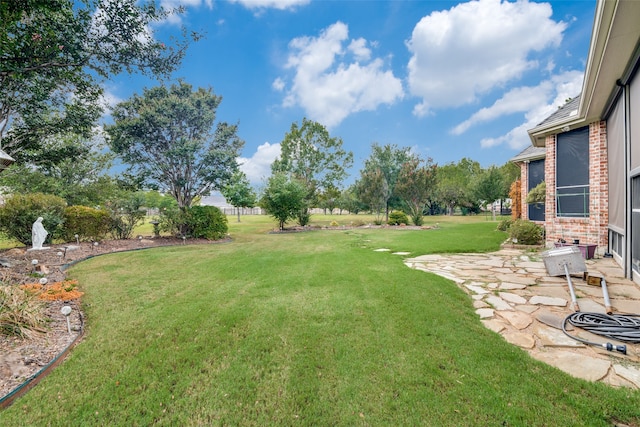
594, 228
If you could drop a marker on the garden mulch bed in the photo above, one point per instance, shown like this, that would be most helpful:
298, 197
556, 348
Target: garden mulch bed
22, 358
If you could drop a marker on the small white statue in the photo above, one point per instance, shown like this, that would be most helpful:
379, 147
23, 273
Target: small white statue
38, 234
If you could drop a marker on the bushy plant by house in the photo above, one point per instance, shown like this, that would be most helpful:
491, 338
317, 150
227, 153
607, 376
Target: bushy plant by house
20, 211
505, 224
397, 218
21, 312
88, 223
537, 194
525, 232
206, 222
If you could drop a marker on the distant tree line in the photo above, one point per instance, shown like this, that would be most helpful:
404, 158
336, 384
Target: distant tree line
55, 57
392, 179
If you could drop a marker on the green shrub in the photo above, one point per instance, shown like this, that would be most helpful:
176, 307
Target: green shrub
20, 211
397, 218
125, 214
88, 223
21, 313
304, 217
525, 232
505, 224
357, 223
206, 222
418, 219
537, 194
172, 220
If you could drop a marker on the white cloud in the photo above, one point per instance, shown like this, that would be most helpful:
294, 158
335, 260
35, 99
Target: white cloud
552, 94
473, 47
360, 49
331, 81
258, 166
271, 4
278, 84
108, 101
522, 99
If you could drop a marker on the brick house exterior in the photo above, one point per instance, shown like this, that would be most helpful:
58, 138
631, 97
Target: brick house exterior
595, 198
594, 228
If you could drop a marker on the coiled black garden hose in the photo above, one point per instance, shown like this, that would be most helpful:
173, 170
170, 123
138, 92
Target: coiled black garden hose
618, 327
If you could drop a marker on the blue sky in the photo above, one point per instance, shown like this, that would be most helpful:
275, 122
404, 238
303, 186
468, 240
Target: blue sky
448, 79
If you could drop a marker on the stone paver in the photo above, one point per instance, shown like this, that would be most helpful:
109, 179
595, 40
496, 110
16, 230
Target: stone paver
550, 301
552, 337
521, 339
498, 303
518, 319
630, 374
514, 296
485, 313
580, 366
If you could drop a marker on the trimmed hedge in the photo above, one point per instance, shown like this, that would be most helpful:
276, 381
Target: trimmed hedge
20, 211
206, 222
88, 223
397, 218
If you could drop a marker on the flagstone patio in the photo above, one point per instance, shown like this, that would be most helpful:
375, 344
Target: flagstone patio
515, 297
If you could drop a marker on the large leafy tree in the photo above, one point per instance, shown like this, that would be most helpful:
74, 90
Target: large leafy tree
373, 191
312, 156
490, 186
455, 184
238, 192
283, 197
350, 201
166, 136
54, 55
388, 159
329, 199
416, 183
79, 172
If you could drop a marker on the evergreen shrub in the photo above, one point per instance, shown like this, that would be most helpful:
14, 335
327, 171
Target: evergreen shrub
20, 211
397, 218
505, 224
88, 223
206, 222
525, 232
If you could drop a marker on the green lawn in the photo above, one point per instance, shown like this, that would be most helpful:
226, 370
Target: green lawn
311, 328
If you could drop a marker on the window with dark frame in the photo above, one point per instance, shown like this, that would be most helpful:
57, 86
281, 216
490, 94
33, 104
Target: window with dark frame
572, 173
535, 176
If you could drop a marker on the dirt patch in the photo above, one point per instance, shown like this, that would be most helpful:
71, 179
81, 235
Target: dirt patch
22, 358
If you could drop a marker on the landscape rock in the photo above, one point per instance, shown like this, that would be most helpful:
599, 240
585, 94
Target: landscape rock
549, 301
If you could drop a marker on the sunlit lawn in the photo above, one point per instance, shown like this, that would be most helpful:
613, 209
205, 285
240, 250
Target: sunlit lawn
312, 328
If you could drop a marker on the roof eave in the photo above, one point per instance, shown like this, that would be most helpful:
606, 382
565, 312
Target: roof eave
613, 51
538, 135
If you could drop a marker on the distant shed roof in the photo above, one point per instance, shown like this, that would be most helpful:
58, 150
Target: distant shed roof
529, 153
